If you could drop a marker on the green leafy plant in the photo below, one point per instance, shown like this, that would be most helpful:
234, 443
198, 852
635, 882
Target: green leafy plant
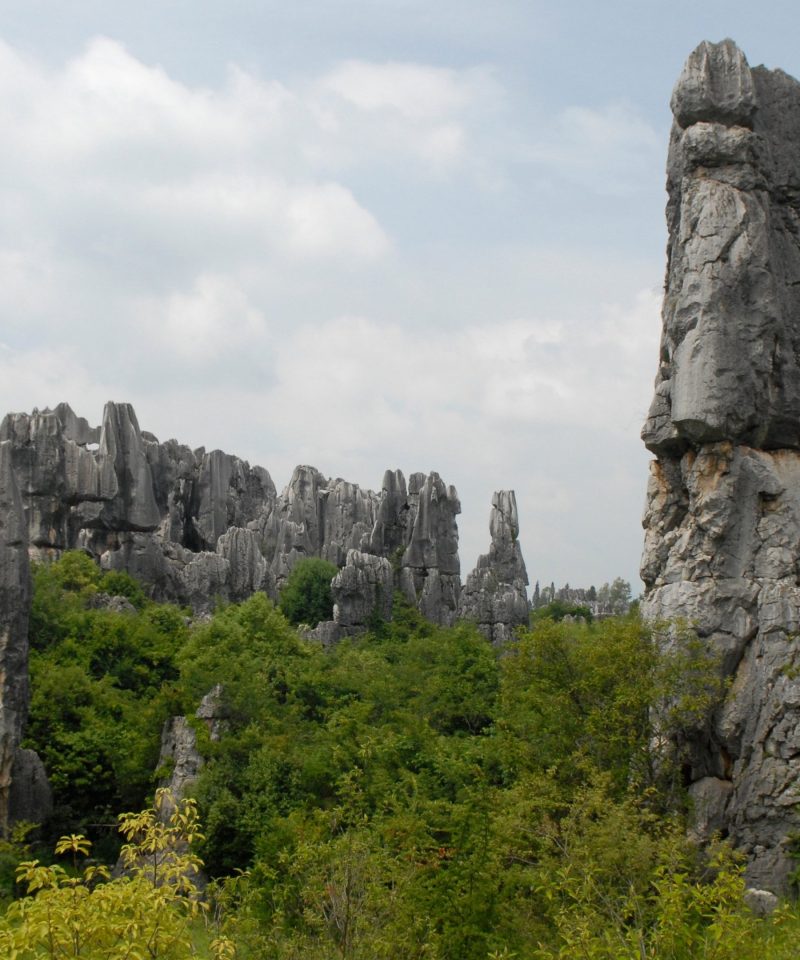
148, 912
306, 597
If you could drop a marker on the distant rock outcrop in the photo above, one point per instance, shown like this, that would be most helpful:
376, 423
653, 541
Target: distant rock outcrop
494, 595
197, 527
722, 541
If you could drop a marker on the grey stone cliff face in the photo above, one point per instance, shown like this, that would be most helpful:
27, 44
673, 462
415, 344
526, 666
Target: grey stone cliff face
30, 796
730, 352
362, 591
495, 594
722, 521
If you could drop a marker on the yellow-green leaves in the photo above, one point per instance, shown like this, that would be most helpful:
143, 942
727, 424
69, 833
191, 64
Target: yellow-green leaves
75, 844
149, 913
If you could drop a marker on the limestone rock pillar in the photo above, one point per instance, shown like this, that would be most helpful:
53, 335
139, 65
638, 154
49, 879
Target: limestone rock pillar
722, 521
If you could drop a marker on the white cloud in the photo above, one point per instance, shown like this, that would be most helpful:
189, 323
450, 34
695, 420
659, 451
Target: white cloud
373, 378
411, 108
324, 219
112, 141
263, 216
612, 149
415, 91
210, 321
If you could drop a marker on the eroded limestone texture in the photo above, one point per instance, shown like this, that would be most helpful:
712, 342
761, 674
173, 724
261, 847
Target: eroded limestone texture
494, 595
362, 591
196, 526
722, 522
180, 759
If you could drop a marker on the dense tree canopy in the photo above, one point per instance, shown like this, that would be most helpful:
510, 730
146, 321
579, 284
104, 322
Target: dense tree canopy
413, 792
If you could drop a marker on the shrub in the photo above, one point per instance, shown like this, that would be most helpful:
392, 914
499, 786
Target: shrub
307, 596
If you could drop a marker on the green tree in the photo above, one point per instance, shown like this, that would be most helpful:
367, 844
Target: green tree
306, 596
615, 597
559, 609
99, 678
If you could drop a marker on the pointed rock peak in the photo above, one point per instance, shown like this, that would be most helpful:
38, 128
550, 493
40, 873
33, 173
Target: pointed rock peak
494, 596
716, 86
126, 480
305, 476
504, 519
394, 483
76, 428
722, 521
120, 426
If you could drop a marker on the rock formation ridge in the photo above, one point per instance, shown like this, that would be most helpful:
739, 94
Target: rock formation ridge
722, 521
197, 526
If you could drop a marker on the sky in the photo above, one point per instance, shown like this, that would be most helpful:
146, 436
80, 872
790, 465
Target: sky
361, 235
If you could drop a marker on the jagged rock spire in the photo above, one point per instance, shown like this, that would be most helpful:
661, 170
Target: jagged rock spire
494, 595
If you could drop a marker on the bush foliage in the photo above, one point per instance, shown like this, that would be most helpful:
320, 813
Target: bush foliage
306, 596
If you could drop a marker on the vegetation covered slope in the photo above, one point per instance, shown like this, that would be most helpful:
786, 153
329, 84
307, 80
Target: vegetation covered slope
410, 793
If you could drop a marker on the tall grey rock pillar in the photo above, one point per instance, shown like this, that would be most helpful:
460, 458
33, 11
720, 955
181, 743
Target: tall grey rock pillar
722, 522
14, 612
494, 595
430, 574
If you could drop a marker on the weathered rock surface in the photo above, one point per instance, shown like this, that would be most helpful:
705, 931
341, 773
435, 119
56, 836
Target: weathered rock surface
227, 493
248, 570
394, 517
315, 517
722, 522
430, 569
197, 527
494, 595
761, 902
14, 612
180, 757
30, 797
362, 591
730, 351
107, 601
